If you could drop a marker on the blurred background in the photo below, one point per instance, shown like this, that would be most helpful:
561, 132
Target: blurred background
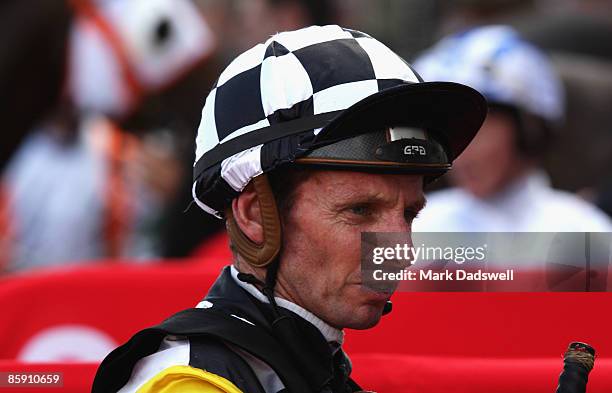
101, 101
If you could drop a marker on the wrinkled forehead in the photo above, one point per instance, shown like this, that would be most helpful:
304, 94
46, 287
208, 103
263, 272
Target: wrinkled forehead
345, 185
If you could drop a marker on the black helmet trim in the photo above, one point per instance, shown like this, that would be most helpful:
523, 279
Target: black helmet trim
263, 135
394, 150
374, 166
451, 111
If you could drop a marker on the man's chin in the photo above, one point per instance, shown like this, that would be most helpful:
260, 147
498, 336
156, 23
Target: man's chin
365, 317
358, 308
367, 308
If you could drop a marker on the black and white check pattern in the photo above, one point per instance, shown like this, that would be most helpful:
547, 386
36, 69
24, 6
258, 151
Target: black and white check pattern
293, 75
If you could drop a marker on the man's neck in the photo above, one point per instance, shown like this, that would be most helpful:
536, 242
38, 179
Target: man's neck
331, 334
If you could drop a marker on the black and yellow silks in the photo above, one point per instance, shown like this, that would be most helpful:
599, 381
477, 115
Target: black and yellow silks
293, 348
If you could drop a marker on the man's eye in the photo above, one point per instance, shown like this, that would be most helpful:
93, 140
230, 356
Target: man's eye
360, 210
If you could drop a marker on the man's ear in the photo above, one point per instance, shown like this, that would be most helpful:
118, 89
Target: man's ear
247, 214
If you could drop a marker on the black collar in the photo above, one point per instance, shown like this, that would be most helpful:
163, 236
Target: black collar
301, 339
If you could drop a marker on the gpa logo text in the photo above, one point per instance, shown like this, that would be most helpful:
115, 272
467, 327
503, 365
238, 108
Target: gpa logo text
413, 150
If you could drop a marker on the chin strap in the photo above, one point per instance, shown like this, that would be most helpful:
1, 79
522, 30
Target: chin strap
266, 287
258, 255
388, 307
261, 255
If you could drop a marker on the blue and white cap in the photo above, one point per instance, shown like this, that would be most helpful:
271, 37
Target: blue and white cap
502, 66
303, 90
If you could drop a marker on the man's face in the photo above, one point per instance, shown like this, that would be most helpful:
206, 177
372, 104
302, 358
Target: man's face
491, 160
320, 259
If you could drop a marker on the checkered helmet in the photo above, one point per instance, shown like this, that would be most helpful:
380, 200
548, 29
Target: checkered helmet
329, 97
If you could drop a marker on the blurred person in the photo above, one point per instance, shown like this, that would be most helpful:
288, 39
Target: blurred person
300, 150
32, 65
80, 188
38, 29
499, 182
576, 35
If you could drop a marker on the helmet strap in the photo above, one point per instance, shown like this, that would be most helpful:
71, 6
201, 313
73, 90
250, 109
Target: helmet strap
267, 287
258, 255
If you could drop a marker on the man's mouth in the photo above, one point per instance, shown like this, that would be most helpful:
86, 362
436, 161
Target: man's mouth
375, 294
